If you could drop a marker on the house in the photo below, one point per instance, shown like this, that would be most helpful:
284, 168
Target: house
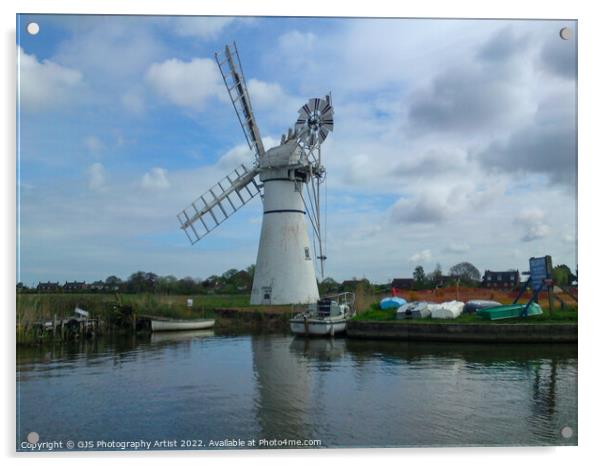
402, 284
74, 286
98, 285
507, 280
48, 286
353, 285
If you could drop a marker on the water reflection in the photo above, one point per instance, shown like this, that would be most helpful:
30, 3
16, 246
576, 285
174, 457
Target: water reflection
343, 392
400, 393
187, 337
283, 390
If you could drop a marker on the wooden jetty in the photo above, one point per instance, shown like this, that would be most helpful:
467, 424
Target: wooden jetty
78, 325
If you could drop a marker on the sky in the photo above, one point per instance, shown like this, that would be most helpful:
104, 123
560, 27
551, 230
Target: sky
454, 140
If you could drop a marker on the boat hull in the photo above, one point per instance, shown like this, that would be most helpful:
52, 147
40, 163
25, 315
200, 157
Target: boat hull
509, 311
174, 325
447, 310
317, 327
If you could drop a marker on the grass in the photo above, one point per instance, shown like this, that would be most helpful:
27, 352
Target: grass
36, 307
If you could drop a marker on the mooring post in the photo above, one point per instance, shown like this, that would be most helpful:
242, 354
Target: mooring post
54, 327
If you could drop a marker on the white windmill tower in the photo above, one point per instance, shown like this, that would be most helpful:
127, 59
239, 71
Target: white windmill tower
284, 271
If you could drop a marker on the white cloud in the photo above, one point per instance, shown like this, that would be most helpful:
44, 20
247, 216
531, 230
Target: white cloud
242, 154
457, 248
155, 179
208, 27
299, 49
187, 84
428, 207
264, 94
423, 256
568, 238
112, 49
96, 177
46, 84
533, 222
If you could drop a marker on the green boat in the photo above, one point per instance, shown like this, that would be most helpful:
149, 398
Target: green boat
509, 311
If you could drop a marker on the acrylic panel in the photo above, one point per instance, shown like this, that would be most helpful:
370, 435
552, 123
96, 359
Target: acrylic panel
278, 232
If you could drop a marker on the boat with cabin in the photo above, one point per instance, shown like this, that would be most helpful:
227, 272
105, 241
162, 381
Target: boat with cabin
327, 317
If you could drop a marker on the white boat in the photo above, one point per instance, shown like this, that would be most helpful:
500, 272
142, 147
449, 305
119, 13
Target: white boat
447, 310
327, 317
414, 310
160, 325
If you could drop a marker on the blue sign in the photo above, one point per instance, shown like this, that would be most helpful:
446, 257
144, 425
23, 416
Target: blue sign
540, 269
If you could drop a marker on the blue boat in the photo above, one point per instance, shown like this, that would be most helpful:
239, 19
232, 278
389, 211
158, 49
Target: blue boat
392, 302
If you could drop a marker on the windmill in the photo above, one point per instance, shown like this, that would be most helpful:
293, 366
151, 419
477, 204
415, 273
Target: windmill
284, 270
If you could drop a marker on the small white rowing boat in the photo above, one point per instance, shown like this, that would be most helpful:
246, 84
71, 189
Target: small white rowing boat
158, 325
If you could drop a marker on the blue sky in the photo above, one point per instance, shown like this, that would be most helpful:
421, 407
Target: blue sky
454, 140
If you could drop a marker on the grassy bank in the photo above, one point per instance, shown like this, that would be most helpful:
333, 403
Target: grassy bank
40, 307
114, 310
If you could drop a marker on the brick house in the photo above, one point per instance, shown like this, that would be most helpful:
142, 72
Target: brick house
402, 284
507, 280
74, 286
48, 286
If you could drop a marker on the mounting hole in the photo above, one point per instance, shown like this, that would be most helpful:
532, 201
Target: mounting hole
566, 33
33, 437
566, 432
33, 28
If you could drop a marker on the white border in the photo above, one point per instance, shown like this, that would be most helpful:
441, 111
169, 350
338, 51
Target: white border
589, 231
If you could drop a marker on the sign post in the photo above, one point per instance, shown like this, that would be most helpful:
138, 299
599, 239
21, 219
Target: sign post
541, 277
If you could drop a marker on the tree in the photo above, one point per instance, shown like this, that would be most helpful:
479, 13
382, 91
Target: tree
328, 285
187, 285
434, 278
167, 284
466, 272
419, 277
113, 283
140, 282
229, 274
136, 282
150, 281
251, 270
562, 275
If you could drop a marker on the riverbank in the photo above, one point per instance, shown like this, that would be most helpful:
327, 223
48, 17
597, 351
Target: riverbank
464, 332
232, 313
126, 313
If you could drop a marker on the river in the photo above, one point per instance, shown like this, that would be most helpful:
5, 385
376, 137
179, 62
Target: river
195, 390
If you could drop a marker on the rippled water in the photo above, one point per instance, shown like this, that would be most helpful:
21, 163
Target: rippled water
198, 386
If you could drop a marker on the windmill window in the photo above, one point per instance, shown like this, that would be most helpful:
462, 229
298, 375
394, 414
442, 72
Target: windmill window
266, 296
307, 256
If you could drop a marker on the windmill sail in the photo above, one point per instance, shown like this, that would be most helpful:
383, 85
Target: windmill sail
234, 79
218, 203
